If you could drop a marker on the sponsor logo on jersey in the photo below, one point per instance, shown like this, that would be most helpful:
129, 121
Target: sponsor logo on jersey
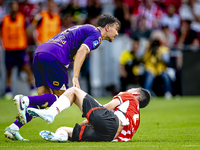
95, 43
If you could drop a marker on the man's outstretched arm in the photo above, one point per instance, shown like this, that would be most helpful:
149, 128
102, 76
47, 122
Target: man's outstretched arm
78, 62
112, 104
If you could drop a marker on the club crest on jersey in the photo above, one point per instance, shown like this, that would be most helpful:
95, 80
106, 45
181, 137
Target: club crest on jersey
95, 43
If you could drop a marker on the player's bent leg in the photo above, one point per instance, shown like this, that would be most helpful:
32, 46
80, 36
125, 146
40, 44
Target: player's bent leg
75, 95
21, 107
42, 113
62, 136
65, 100
13, 134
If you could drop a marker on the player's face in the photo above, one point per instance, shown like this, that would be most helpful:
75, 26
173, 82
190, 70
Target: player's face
14, 6
135, 46
112, 32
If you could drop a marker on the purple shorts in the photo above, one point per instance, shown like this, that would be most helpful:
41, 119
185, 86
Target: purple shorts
49, 72
16, 58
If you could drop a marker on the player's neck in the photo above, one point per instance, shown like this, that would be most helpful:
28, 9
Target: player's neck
103, 32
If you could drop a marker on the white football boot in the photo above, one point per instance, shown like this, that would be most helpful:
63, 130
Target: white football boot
13, 134
21, 107
42, 113
50, 136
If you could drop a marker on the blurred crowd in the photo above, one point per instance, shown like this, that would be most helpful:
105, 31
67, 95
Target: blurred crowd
159, 29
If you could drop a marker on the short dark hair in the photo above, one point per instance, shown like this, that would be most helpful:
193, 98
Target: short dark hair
143, 98
188, 21
105, 19
136, 38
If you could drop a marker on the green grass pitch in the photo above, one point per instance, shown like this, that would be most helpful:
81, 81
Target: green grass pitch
165, 124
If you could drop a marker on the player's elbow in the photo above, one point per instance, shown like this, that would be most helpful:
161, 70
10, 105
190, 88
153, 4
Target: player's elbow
83, 51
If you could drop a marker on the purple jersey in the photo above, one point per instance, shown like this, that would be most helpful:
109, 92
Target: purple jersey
64, 45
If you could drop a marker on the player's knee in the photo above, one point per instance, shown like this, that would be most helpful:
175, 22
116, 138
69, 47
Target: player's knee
64, 131
69, 91
61, 128
72, 90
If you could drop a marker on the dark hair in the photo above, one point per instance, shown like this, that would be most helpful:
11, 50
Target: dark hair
143, 98
136, 38
105, 19
164, 26
187, 21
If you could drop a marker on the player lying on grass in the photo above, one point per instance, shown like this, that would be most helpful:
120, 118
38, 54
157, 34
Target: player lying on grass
117, 120
24, 102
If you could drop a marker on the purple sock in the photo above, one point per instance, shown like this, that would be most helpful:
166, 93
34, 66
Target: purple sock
45, 100
18, 123
28, 117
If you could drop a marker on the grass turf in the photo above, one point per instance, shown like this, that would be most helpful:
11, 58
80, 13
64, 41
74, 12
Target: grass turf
165, 124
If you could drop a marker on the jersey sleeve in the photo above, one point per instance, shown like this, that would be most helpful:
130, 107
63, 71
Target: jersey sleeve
124, 96
92, 41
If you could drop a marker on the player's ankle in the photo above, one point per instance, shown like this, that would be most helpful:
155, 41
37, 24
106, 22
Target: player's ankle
13, 126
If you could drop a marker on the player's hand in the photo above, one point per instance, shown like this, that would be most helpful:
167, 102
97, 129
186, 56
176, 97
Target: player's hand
75, 82
85, 122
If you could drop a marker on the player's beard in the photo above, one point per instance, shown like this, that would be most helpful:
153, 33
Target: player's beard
110, 40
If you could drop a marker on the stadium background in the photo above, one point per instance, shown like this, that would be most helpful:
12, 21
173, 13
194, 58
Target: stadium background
164, 124
104, 71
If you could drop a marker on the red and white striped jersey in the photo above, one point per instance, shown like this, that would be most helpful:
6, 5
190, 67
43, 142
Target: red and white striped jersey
152, 15
129, 113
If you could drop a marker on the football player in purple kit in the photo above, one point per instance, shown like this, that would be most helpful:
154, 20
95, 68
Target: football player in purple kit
50, 64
